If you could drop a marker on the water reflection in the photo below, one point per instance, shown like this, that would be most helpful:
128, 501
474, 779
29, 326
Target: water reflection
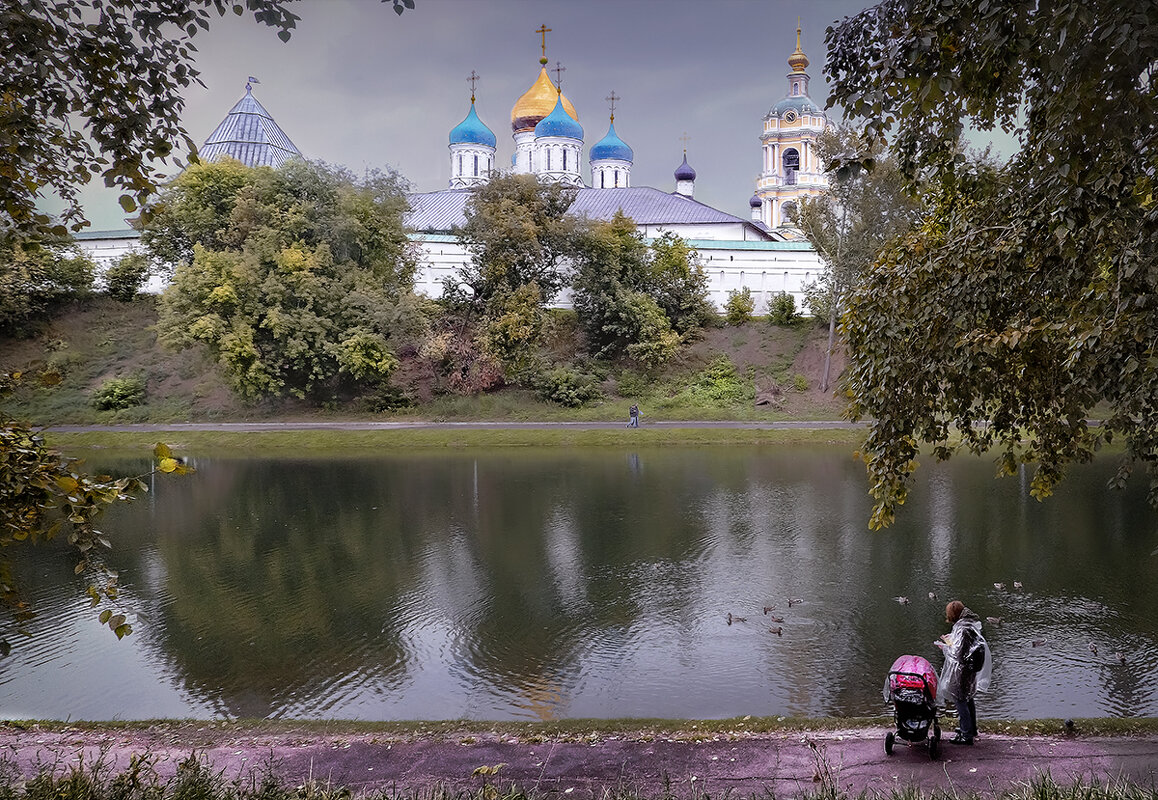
540, 584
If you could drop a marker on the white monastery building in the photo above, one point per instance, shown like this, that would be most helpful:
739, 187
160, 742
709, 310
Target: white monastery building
763, 253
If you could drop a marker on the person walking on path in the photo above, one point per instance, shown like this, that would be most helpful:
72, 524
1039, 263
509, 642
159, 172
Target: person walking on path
967, 669
633, 413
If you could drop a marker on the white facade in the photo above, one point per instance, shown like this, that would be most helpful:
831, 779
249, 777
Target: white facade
610, 173
470, 164
558, 158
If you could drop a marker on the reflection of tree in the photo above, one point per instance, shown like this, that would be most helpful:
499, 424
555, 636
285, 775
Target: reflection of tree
291, 586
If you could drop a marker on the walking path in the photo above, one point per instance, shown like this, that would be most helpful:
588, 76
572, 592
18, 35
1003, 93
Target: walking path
255, 427
781, 764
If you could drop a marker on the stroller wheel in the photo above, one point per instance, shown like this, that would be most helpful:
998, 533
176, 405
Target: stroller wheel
890, 737
935, 744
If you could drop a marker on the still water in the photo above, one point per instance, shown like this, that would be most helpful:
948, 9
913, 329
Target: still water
538, 584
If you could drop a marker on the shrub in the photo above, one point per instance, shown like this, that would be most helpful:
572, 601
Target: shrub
819, 301
126, 277
781, 309
739, 307
799, 382
567, 387
118, 393
720, 384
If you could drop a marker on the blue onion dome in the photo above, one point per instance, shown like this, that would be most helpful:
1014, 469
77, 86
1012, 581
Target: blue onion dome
559, 123
684, 172
472, 131
754, 201
611, 146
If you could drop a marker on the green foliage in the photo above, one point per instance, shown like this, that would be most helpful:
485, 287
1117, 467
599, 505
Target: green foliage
35, 277
739, 306
43, 493
799, 383
568, 387
1027, 298
298, 280
679, 284
511, 329
781, 309
118, 393
720, 385
518, 232
126, 277
620, 288
94, 88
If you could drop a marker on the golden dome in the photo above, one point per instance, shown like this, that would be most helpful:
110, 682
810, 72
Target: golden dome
537, 102
798, 61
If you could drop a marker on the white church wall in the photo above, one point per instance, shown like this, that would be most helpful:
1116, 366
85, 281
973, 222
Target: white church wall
766, 268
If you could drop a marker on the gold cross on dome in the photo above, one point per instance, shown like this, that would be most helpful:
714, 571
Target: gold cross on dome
559, 70
685, 139
472, 79
544, 30
611, 98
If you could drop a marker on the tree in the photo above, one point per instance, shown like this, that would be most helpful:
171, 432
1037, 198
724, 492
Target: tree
298, 280
866, 205
36, 276
124, 279
43, 493
93, 88
621, 287
1029, 296
518, 232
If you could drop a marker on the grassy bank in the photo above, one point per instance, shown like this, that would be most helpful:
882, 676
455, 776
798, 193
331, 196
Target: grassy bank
637, 729
367, 442
100, 340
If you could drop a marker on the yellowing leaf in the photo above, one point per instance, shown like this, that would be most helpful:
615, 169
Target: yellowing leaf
161, 450
168, 465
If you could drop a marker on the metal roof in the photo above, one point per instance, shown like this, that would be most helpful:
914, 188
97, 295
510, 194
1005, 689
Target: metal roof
444, 210
249, 134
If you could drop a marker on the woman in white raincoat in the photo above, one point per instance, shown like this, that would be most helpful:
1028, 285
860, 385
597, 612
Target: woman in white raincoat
968, 665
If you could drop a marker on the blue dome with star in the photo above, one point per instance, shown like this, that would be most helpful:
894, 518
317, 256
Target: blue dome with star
472, 131
559, 123
611, 146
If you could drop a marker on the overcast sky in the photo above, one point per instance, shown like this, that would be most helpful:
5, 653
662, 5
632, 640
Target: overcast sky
361, 86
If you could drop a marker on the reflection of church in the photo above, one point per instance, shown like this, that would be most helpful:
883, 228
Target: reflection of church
761, 252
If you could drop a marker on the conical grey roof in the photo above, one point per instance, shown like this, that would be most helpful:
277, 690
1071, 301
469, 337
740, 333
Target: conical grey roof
249, 134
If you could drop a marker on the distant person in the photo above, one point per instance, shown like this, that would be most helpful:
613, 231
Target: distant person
967, 667
633, 412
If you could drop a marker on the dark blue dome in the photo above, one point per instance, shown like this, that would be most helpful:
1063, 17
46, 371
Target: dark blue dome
559, 123
754, 201
684, 172
611, 146
472, 131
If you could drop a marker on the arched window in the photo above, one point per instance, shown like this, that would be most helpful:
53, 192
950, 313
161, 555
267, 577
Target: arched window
602, 180
616, 179
564, 160
460, 163
548, 159
476, 166
791, 162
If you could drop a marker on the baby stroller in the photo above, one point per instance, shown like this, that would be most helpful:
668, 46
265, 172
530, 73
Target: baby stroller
911, 686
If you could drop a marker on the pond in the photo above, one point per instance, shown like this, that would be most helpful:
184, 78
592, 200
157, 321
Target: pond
544, 584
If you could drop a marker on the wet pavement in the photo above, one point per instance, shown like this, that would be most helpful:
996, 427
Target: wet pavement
681, 766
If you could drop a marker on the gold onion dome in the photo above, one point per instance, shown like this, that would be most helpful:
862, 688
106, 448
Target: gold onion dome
798, 61
537, 102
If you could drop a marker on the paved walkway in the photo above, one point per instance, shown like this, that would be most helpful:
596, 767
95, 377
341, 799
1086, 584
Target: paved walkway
254, 427
744, 765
